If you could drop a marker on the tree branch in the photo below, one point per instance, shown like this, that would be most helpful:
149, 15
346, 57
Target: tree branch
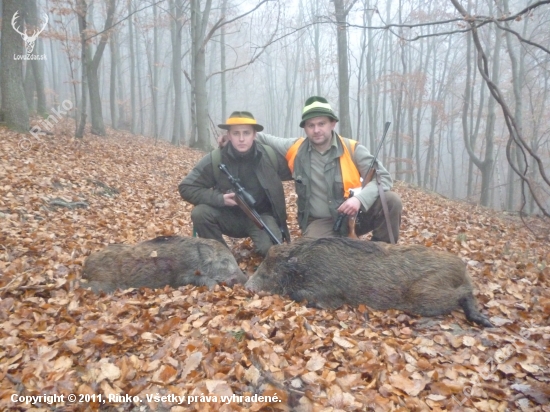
125, 18
346, 11
521, 39
466, 18
515, 135
221, 22
254, 58
104, 36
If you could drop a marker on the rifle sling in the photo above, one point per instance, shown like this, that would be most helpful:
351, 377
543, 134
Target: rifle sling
385, 207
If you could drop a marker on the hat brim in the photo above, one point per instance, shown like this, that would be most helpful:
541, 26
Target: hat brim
312, 115
257, 127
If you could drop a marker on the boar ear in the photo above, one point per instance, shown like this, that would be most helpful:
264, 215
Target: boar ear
204, 252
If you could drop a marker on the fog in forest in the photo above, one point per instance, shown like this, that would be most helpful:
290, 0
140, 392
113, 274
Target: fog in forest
464, 83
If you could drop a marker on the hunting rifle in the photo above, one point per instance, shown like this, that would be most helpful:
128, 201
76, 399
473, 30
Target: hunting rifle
366, 179
247, 202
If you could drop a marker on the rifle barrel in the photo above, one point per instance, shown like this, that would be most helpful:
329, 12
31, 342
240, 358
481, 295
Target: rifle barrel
246, 202
386, 127
368, 176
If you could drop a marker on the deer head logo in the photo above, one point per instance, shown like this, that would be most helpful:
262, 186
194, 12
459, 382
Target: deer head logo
29, 40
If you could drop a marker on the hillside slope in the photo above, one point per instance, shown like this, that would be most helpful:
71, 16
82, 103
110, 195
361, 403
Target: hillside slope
62, 199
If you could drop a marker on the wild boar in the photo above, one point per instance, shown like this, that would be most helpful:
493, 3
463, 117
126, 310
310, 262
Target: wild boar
330, 272
167, 260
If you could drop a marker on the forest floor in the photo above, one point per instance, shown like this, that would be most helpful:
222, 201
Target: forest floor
62, 199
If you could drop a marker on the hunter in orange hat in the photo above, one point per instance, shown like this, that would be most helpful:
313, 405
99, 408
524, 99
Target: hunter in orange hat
257, 168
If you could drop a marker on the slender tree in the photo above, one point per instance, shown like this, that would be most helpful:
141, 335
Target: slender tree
15, 111
133, 124
112, 83
35, 67
176, 8
199, 22
92, 66
341, 13
223, 67
82, 11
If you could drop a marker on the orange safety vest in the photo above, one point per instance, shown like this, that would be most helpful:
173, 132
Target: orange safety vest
350, 175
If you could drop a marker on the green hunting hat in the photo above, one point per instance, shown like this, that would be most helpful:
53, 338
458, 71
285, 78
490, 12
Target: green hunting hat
317, 106
241, 118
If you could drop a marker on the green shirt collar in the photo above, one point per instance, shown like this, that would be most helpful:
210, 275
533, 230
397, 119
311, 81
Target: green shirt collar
334, 143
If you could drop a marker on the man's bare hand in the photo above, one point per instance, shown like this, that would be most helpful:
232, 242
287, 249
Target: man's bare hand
229, 199
350, 207
222, 140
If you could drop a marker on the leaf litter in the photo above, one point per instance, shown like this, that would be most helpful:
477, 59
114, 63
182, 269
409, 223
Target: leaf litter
59, 338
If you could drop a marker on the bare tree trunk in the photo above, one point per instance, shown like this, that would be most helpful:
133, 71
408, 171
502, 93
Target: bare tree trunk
167, 105
291, 78
473, 127
517, 68
343, 67
55, 64
398, 121
122, 122
15, 111
37, 66
133, 125
140, 90
429, 165
371, 95
176, 33
272, 123
539, 120
488, 161
437, 169
360, 80
54, 73
410, 100
485, 165
420, 115
437, 107
112, 79
29, 87
98, 126
82, 25
199, 21
151, 70
155, 73
383, 72
222, 65
450, 144
316, 47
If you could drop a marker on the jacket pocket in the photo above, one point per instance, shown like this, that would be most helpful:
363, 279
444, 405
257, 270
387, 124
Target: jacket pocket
338, 189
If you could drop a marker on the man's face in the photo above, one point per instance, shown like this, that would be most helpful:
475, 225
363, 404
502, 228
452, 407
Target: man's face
319, 131
241, 137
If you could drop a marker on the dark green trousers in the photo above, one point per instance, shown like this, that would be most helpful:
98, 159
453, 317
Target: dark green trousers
374, 220
211, 223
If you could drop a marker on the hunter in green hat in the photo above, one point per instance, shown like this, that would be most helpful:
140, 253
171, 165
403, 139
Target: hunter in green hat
326, 168
316, 107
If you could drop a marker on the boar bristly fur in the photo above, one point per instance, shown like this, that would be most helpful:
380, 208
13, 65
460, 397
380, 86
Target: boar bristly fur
331, 272
167, 260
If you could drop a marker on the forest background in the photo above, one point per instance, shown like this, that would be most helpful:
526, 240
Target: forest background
465, 84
